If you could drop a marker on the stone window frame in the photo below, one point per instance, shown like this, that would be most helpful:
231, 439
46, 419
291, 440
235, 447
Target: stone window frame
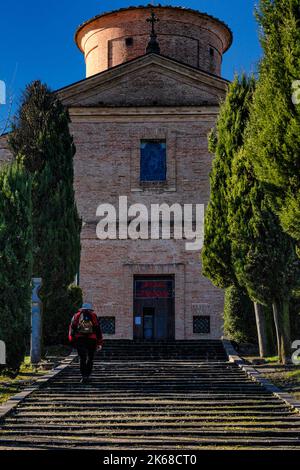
159, 133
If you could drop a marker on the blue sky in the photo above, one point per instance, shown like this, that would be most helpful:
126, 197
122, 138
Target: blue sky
37, 38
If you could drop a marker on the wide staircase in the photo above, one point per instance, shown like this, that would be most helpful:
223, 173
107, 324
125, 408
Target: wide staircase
176, 396
169, 349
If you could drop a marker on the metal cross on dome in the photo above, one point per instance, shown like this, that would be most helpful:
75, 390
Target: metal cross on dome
153, 19
153, 45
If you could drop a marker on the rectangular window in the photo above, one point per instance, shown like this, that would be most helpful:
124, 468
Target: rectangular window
129, 42
108, 325
201, 324
153, 160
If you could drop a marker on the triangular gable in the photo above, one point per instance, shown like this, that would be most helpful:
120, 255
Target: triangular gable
150, 80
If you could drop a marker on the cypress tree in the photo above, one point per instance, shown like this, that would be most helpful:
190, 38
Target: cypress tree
223, 143
41, 136
274, 130
239, 319
263, 256
15, 262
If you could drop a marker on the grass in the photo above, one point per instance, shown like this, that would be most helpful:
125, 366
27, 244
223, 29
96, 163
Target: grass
273, 359
12, 384
285, 377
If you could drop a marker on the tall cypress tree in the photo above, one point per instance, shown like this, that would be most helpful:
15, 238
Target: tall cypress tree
15, 262
224, 142
41, 136
263, 256
274, 131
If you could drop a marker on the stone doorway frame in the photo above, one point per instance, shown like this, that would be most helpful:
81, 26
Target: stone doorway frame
138, 331
177, 270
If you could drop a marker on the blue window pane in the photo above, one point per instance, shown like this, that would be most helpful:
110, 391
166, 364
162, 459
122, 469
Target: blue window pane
153, 160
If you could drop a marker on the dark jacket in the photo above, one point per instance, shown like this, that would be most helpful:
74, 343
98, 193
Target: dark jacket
96, 334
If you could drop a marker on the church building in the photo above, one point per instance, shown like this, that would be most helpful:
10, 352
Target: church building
140, 121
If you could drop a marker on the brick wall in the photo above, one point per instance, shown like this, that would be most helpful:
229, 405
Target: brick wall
104, 167
184, 35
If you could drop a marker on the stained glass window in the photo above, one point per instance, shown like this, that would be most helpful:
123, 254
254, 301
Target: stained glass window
153, 160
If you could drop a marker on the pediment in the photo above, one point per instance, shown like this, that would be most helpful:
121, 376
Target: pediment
150, 80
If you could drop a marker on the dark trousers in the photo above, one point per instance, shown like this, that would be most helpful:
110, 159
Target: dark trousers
86, 349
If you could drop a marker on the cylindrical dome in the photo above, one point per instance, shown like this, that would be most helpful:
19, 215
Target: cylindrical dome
185, 35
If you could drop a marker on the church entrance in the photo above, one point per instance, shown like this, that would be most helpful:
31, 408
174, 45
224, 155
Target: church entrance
154, 308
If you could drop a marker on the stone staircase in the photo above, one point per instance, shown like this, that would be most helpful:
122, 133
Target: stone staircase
170, 349
162, 400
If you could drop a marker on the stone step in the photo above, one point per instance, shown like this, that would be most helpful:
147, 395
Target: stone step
69, 404
89, 432
170, 416
152, 405
154, 443
111, 400
161, 421
226, 413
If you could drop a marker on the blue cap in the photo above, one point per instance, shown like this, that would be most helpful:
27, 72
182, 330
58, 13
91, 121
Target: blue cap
87, 306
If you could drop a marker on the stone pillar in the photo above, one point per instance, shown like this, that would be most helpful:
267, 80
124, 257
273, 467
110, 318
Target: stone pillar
36, 322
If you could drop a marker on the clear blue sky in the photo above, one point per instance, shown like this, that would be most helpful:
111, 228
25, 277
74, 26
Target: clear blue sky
36, 37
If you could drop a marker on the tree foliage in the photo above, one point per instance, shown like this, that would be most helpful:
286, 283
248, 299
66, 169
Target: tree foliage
60, 318
239, 319
224, 143
263, 256
15, 262
41, 141
274, 131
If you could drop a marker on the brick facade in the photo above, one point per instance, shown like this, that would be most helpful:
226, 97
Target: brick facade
136, 97
107, 153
